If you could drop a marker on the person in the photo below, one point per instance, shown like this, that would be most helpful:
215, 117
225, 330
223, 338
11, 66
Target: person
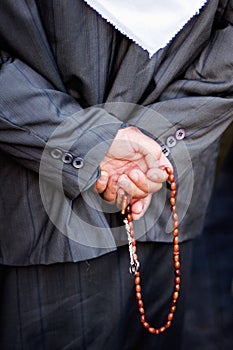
92, 106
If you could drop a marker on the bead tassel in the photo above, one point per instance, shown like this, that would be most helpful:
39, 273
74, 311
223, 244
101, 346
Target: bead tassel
126, 209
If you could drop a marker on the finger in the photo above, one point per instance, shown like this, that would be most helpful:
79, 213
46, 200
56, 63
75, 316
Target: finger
151, 161
145, 183
141, 164
140, 206
154, 172
110, 194
137, 206
130, 188
146, 145
157, 175
102, 182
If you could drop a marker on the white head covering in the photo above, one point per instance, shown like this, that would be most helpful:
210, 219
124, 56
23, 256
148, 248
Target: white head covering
149, 23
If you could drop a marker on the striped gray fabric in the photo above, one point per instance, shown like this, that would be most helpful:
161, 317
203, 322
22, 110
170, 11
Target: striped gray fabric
60, 57
66, 306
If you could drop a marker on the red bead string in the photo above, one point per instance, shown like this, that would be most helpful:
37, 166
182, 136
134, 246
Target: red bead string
134, 265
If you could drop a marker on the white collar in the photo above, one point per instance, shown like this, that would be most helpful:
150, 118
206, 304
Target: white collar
149, 23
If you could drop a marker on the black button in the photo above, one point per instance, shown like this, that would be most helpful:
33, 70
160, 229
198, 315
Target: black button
77, 163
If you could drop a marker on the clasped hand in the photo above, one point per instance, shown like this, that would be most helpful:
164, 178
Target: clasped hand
132, 166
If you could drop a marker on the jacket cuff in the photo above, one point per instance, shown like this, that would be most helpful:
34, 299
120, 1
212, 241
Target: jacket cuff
72, 155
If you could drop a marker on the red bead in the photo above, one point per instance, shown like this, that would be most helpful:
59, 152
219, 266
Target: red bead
138, 288
171, 178
173, 209
170, 316
176, 257
124, 205
175, 224
143, 318
176, 248
138, 296
168, 324
173, 194
175, 240
176, 232
137, 280
152, 330
177, 264
129, 217
177, 280
141, 311
175, 216
128, 209
162, 329
173, 309
175, 295
177, 272
172, 201
146, 325
133, 242
169, 170
140, 303
173, 186
177, 287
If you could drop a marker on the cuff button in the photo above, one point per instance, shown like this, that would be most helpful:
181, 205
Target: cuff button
165, 150
56, 153
171, 141
67, 158
180, 134
77, 163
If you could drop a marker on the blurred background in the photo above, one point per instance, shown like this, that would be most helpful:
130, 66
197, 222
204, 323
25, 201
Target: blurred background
209, 319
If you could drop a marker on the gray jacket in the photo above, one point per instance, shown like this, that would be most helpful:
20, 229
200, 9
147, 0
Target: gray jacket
68, 82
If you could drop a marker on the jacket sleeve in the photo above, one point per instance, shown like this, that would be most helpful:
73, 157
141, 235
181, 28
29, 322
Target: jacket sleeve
200, 99
203, 96
47, 131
